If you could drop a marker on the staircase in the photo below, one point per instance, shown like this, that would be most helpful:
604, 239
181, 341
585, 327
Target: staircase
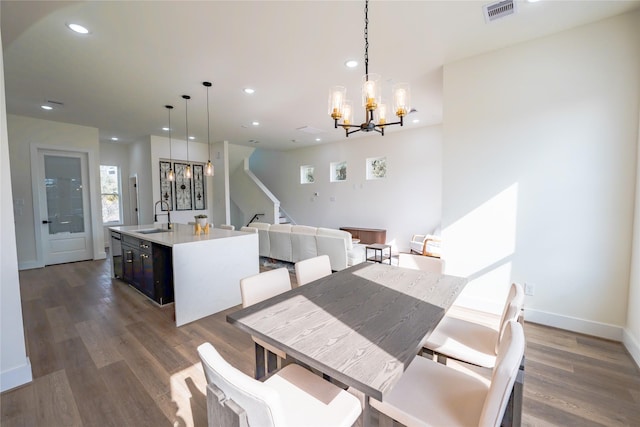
284, 217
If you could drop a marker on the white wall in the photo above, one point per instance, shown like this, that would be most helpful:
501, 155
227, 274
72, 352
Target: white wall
540, 144
632, 333
118, 155
25, 132
408, 201
140, 156
15, 368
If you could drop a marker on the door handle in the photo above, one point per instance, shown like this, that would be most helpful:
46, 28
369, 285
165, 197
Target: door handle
44, 221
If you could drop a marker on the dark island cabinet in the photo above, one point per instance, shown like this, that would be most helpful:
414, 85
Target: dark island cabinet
148, 267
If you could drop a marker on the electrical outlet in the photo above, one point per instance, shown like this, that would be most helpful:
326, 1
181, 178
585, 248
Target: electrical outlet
529, 289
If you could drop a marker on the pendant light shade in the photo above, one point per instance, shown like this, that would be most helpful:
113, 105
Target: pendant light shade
208, 169
187, 170
171, 176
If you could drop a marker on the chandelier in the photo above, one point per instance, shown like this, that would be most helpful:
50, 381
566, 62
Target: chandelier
341, 108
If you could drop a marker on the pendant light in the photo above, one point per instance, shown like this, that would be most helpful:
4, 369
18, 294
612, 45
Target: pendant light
187, 170
341, 108
208, 169
171, 176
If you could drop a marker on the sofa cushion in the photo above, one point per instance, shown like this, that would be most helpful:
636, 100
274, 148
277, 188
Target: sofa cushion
356, 255
303, 242
264, 248
334, 243
280, 242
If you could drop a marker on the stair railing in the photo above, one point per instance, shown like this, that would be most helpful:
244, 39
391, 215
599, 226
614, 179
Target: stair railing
255, 216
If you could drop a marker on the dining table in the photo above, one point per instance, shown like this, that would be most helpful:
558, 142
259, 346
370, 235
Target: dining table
361, 326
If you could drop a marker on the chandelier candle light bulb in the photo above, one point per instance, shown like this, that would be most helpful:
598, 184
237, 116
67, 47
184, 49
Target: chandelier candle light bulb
337, 95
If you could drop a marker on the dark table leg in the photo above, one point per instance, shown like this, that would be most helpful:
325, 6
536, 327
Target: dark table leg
260, 368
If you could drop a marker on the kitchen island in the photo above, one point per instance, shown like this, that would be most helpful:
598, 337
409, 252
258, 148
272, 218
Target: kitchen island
206, 269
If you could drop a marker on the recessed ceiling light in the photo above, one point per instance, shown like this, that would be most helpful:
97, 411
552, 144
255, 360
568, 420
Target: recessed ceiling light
78, 28
318, 139
192, 138
165, 129
416, 120
114, 138
248, 90
255, 123
352, 63
46, 107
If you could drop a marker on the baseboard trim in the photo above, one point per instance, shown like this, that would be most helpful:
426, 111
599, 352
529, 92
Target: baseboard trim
16, 377
29, 265
632, 345
582, 326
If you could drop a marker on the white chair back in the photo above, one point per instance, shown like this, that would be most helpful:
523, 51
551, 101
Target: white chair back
227, 227
512, 308
261, 403
249, 229
312, 269
504, 374
264, 285
421, 262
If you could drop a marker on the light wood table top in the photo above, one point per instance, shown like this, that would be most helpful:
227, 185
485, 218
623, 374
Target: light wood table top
362, 325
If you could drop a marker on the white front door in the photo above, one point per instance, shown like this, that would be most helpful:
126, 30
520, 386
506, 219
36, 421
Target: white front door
64, 207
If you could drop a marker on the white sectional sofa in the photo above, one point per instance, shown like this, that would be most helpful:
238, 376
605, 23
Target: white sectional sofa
293, 243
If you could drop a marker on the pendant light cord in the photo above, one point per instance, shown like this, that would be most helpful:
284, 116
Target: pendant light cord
208, 125
169, 109
186, 120
366, 39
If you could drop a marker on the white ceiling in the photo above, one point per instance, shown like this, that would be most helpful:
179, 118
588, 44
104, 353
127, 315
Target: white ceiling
141, 56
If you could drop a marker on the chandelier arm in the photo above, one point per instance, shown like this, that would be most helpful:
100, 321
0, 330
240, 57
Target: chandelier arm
392, 123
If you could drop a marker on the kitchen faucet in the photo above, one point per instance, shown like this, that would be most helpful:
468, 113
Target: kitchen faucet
155, 214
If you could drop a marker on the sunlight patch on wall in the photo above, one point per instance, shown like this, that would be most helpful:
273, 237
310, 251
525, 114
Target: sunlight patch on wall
488, 291
481, 243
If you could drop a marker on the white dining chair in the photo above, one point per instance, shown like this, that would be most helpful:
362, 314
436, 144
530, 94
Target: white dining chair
429, 393
421, 262
260, 287
227, 227
249, 229
471, 342
312, 269
291, 397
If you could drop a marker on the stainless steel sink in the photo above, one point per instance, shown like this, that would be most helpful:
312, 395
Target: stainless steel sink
153, 231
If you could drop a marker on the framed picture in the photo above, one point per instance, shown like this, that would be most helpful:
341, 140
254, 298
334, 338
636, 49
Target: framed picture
166, 189
338, 171
307, 175
199, 192
377, 168
183, 188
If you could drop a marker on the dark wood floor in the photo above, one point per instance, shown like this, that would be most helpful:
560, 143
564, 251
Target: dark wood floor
102, 354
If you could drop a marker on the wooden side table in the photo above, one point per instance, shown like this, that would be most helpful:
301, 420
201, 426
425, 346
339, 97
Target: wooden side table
379, 253
367, 235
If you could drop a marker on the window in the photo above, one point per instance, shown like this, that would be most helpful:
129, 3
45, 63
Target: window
110, 190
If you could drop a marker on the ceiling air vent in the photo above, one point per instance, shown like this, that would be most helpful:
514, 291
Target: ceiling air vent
499, 9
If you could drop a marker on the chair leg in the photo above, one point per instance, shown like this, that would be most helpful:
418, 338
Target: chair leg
513, 413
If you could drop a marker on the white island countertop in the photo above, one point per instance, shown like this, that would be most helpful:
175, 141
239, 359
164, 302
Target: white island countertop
179, 234
207, 268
